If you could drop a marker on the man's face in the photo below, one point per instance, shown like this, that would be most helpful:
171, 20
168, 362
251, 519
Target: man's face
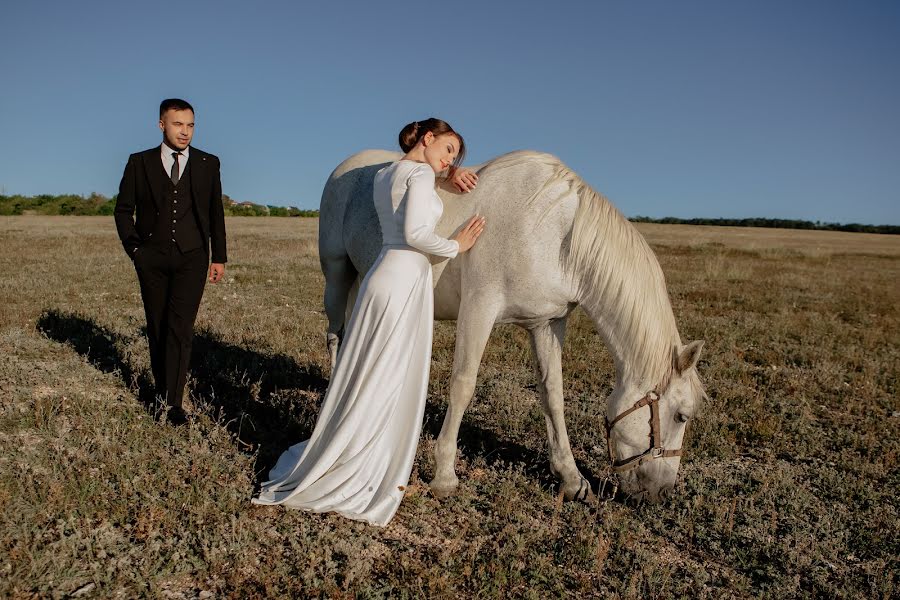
177, 127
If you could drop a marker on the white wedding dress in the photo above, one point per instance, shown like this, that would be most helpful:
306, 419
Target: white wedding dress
358, 461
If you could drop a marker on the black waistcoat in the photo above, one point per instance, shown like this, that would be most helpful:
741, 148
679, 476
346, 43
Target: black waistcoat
177, 224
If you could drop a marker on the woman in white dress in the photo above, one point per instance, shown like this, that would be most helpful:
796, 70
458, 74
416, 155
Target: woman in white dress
358, 461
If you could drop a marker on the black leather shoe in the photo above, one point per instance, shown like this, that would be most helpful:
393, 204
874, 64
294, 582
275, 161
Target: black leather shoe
176, 416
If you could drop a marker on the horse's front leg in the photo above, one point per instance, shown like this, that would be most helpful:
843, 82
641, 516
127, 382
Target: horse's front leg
546, 342
472, 331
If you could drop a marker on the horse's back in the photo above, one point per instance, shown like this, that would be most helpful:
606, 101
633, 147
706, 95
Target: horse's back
529, 213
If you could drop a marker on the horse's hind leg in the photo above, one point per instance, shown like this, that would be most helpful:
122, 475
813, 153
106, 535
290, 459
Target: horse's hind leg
472, 332
339, 277
547, 341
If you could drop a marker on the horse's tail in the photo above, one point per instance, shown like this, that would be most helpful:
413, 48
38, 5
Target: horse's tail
339, 271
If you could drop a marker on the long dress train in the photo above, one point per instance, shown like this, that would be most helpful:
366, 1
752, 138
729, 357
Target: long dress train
358, 461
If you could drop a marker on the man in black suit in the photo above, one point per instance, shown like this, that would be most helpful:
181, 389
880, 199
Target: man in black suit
176, 192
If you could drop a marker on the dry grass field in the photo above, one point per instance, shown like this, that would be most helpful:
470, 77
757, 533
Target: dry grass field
789, 487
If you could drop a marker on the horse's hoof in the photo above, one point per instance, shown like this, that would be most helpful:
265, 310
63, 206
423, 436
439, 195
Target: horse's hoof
443, 489
581, 491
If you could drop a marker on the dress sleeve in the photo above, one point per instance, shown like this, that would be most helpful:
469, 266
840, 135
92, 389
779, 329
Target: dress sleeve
418, 229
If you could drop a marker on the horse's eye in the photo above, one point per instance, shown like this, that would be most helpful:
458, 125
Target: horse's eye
681, 417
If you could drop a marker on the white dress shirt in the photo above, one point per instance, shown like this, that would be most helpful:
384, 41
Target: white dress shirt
167, 159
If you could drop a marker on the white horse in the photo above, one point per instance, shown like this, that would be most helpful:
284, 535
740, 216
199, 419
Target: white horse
551, 244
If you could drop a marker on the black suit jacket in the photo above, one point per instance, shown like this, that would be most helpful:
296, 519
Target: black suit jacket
142, 191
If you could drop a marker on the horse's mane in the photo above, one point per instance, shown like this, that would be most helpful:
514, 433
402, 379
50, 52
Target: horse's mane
618, 276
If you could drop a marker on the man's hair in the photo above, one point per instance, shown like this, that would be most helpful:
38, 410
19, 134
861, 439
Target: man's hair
174, 103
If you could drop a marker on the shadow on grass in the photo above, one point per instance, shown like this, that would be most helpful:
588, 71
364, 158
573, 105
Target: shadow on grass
268, 401
100, 346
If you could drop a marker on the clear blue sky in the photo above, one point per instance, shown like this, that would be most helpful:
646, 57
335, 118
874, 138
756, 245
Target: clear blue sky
688, 109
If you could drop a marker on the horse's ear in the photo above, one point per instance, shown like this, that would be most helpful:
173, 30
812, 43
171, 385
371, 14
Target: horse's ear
687, 356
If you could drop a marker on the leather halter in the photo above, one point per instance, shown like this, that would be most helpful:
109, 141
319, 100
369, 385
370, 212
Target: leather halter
655, 450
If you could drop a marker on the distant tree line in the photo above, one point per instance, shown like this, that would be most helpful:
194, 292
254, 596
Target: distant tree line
777, 223
67, 204
98, 204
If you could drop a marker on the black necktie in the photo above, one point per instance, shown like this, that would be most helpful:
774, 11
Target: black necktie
174, 173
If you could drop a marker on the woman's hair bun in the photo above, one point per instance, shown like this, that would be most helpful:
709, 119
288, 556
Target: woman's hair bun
409, 136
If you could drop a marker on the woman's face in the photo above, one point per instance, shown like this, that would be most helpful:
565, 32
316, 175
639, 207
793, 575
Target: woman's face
441, 150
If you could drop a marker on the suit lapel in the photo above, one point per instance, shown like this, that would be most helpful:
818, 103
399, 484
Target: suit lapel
155, 174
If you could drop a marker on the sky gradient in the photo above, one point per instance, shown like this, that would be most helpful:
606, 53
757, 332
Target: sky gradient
687, 109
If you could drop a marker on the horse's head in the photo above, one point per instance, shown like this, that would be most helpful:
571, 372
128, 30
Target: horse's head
645, 428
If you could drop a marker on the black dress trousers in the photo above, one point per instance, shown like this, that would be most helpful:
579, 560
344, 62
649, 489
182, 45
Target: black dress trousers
172, 285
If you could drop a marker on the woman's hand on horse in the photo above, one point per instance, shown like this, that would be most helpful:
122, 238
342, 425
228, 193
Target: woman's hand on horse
469, 233
464, 180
